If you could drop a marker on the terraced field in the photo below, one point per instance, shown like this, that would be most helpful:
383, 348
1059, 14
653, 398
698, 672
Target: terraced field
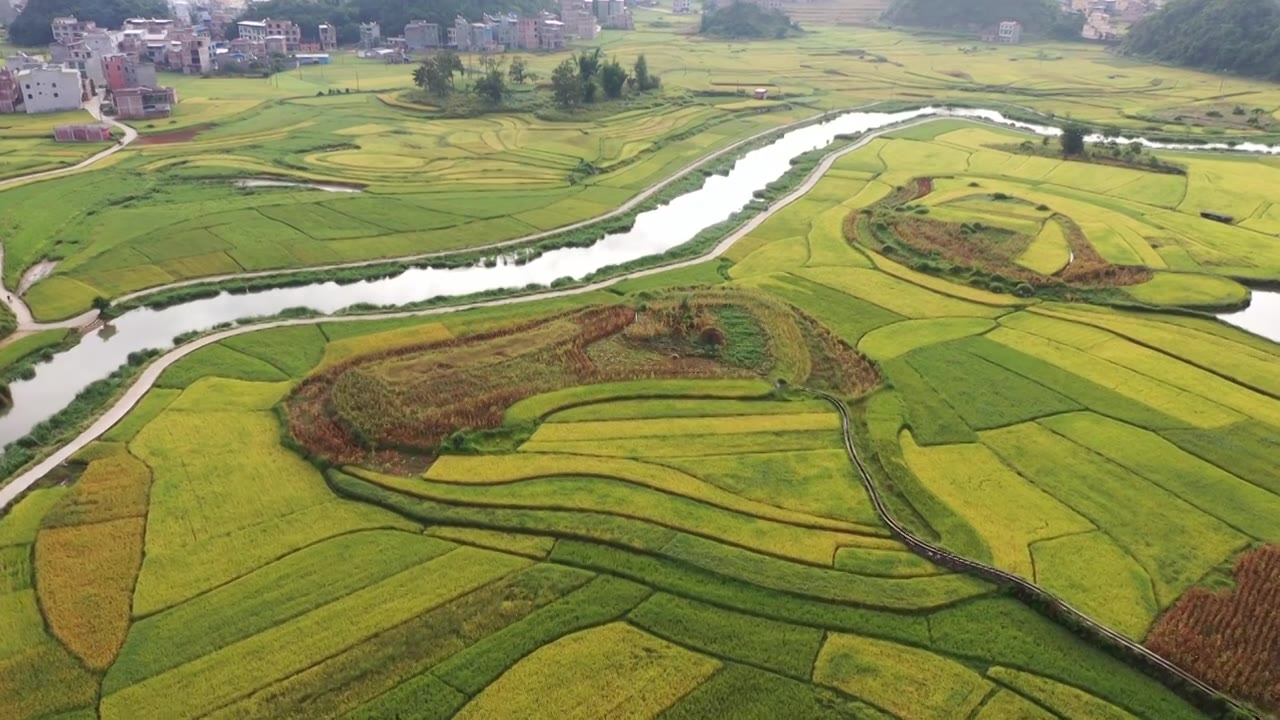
679, 548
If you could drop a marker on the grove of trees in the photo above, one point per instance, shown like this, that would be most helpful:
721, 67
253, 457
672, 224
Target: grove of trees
1235, 36
747, 20
31, 28
585, 77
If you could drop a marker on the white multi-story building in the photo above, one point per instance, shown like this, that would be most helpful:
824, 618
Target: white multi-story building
50, 88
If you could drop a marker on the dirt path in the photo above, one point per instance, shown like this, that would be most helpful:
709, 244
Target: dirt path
147, 379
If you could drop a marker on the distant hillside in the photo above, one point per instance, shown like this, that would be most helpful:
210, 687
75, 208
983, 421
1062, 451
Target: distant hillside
1035, 15
747, 20
1236, 36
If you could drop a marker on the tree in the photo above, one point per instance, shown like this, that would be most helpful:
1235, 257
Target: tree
492, 85
588, 68
429, 78
516, 71
613, 77
448, 62
566, 84
644, 81
1073, 139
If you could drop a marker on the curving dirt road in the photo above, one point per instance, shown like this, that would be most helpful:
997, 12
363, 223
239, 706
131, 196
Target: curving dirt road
147, 379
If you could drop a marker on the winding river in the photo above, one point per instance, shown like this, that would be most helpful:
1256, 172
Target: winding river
57, 382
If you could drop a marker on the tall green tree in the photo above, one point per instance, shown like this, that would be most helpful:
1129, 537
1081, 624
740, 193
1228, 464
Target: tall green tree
613, 78
517, 70
1072, 139
566, 84
492, 84
644, 81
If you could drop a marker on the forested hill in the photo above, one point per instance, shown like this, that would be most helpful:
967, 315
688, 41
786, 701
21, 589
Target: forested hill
1035, 15
393, 15
1236, 36
31, 28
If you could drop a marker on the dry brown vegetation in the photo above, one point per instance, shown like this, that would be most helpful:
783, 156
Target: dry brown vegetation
1230, 638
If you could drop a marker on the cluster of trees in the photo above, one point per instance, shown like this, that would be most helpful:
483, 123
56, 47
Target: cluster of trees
1037, 16
31, 28
392, 15
436, 76
1235, 36
583, 78
747, 20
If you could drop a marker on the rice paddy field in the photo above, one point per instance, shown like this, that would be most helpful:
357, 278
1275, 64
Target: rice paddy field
632, 503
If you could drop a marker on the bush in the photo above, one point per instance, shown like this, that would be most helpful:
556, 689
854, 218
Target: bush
1024, 290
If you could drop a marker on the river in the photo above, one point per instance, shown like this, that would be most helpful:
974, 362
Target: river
655, 231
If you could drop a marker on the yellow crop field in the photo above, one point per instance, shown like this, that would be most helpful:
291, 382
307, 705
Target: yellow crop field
677, 427
1068, 566
904, 680
226, 498
539, 406
1048, 253
502, 469
1008, 512
110, 488
1173, 541
1009, 705
690, 445
1061, 699
1187, 407
900, 338
613, 671
895, 295
204, 684
84, 579
1239, 357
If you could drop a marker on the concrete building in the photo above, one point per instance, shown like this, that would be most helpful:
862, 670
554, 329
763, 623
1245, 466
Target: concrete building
312, 58
252, 30
550, 33
421, 35
67, 30
1009, 32
328, 37
681, 7
276, 45
504, 29
614, 15
123, 72
370, 35
10, 92
527, 32
22, 61
193, 55
143, 103
286, 29
87, 62
51, 88
150, 26
96, 132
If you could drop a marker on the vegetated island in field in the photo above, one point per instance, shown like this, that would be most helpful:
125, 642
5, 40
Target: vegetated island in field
401, 408
747, 20
1235, 36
